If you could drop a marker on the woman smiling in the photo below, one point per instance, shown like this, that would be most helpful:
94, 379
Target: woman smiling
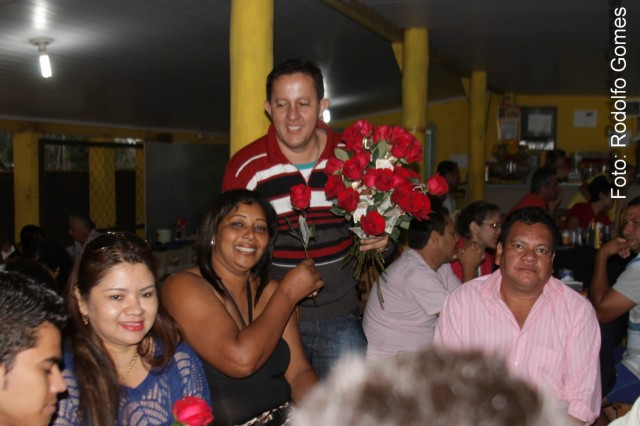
123, 363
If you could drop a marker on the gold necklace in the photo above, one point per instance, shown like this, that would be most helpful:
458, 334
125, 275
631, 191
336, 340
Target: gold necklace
126, 373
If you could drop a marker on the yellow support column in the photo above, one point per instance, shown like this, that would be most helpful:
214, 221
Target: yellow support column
102, 185
477, 127
415, 75
251, 60
26, 183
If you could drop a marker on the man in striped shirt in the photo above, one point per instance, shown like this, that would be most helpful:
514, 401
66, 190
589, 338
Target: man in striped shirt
547, 333
295, 151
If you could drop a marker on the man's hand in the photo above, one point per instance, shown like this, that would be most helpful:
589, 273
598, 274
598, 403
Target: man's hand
470, 256
379, 243
616, 245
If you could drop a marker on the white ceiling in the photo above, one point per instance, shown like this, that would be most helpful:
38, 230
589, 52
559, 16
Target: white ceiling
164, 64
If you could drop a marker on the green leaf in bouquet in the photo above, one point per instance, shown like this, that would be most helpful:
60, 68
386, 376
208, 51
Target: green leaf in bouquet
341, 154
337, 211
383, 148
379, 197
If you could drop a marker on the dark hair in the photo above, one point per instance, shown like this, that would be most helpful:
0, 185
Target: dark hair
100, 393
446, 166
223, 204
294, 66
431, 386
530, 215
477, 212
635, 202
420, 230
599, 185
553, 155
57, 259
25, 305
540, 178
83, 219
32, 269
30, 237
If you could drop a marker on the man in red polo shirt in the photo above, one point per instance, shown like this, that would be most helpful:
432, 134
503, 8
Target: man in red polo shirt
545, 192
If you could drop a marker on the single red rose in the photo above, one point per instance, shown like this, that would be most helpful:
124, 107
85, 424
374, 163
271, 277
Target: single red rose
400, 148
300, 196
372, 223
415, 152
384, 179
364, 127
353, 135
192, 411
400, 135
412, 202
362, 158
348, 199
352, 170
382, 133
425, 208
334, 165
400, 191
437, 185
333, 186
370, 177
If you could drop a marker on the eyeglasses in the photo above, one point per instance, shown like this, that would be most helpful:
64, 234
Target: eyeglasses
495, 225
110, 238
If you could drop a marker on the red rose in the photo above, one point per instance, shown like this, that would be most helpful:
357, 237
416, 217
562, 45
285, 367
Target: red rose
353, 135
192, 411
425, 208
333, 166
382, 133
372, 223
415, 152
370, 177
406, 174
413, 202
384, 179
300, 196
437, 185
352, 169
348, 199
362, 158
333, 186
400, 135
400, 191
399, 148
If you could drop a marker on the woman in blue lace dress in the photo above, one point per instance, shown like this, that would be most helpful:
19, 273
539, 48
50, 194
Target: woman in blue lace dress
241, 323
124, 362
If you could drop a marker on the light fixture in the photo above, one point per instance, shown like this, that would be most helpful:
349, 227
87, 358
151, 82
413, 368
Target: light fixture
45, 64
326, 115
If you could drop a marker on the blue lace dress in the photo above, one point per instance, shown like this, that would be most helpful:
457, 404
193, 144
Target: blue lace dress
149, 403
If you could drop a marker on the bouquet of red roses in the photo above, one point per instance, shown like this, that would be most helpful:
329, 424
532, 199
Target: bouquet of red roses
371, 185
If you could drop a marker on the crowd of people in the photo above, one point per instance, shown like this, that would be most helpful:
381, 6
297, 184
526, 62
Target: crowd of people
471, 326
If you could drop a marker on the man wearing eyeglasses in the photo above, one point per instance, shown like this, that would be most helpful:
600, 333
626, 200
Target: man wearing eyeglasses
612, 302
547, 332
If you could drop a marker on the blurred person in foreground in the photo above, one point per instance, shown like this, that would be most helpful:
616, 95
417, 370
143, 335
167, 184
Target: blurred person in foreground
241, 323
478, 226
429, 387
546, 332
124, 362
31, 318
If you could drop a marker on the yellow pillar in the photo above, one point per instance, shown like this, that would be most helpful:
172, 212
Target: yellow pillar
26, 183
415, 75
251, 60
477, 127
102, 185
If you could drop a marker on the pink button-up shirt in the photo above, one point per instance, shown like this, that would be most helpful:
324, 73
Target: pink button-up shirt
557, 349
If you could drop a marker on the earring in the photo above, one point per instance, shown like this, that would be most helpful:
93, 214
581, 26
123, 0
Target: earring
85, 319
213, 242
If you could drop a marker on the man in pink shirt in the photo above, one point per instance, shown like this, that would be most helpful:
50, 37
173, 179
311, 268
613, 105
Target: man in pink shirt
546, 332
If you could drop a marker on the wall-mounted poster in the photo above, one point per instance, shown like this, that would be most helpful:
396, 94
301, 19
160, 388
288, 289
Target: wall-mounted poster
539, 128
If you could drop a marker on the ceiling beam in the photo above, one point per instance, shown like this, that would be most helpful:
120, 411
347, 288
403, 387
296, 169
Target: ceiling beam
386, 29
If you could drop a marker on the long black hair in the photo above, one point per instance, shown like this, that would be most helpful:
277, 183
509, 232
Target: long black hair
223, 204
